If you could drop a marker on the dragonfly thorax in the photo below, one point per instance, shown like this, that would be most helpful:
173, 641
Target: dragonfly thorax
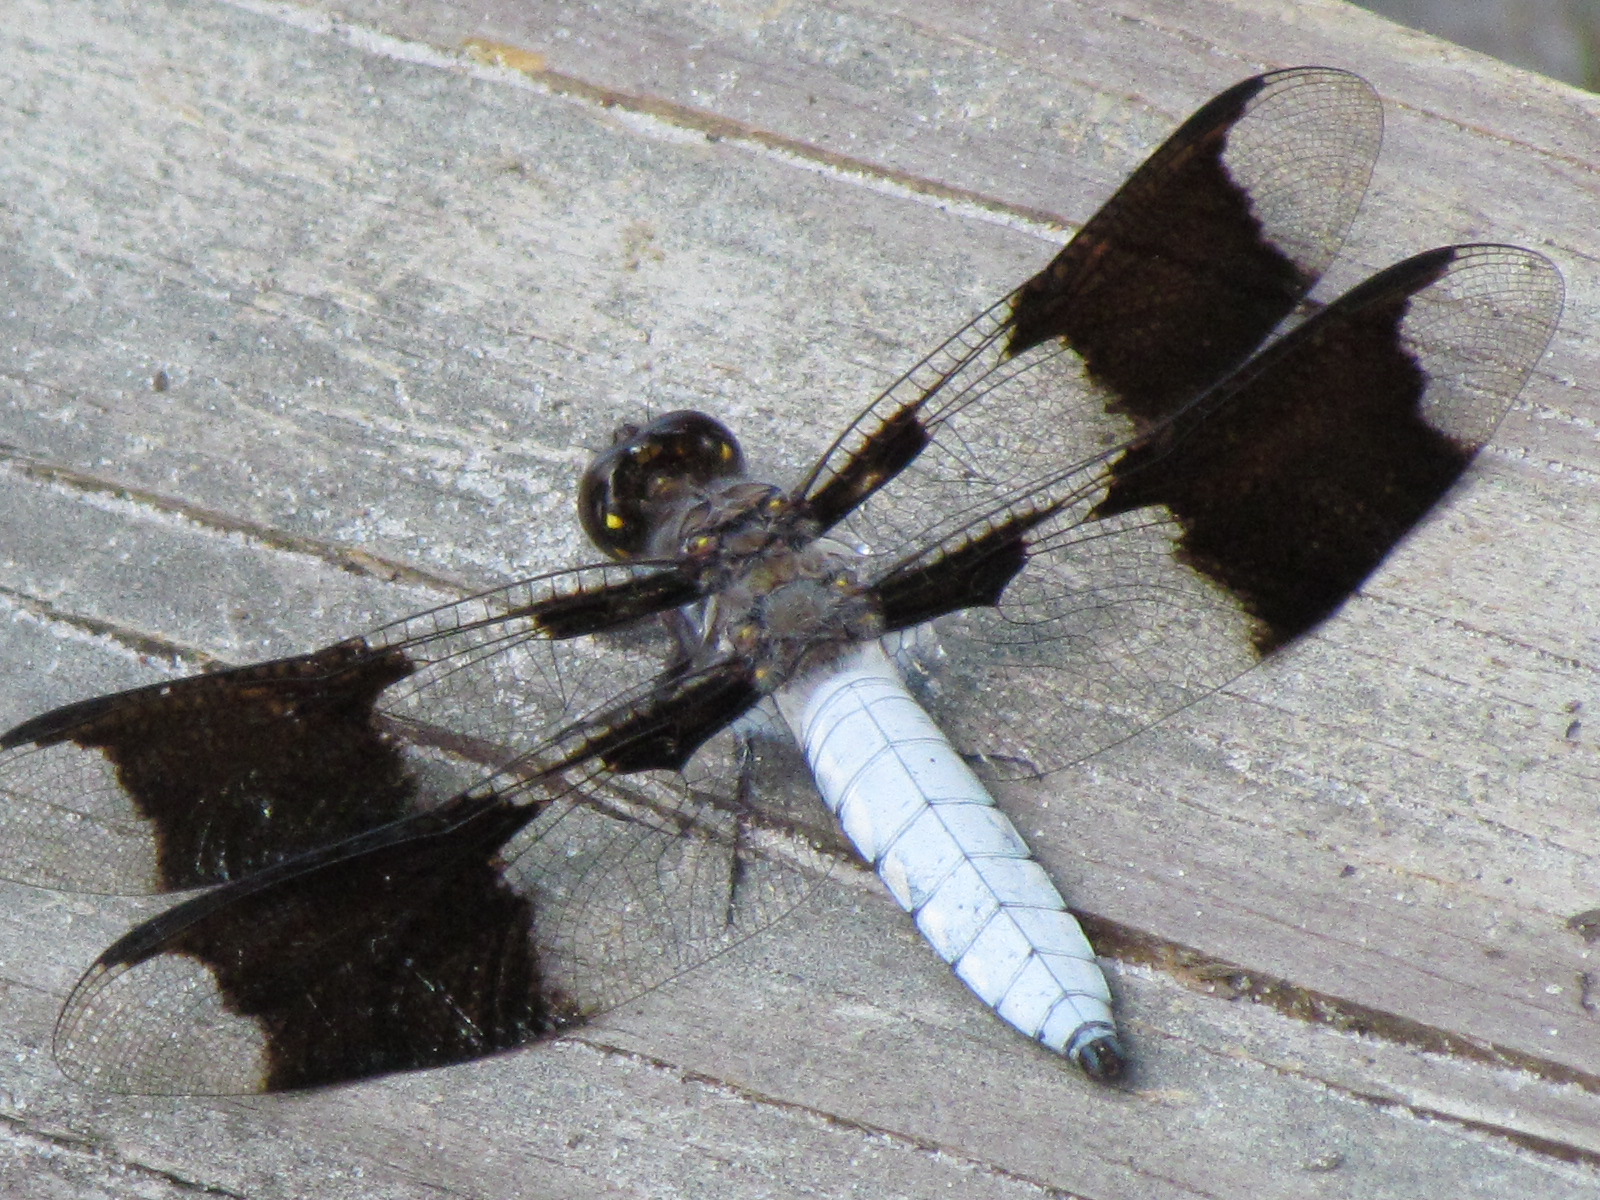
791, 610
785, 600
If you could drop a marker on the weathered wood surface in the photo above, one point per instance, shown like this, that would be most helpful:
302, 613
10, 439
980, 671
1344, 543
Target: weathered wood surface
400, 272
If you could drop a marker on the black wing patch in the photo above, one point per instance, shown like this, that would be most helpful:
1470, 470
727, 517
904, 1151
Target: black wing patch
1294, 481
473, 927
972, 572
241, 768
1180, 275
887, 451
665, 736
402, 949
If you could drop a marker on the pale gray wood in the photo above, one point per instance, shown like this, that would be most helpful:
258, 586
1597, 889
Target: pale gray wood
1553, 36
399, 293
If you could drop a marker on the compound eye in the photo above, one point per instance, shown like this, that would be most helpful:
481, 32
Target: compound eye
604, 520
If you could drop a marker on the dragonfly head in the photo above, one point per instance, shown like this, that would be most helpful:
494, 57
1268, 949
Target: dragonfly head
632, 490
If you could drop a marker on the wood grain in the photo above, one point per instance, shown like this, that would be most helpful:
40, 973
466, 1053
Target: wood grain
310, 320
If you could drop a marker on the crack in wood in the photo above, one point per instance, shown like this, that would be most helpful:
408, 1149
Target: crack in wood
143, 645
353, 560
715, 128
821, 1116
1218, 977
93, 1148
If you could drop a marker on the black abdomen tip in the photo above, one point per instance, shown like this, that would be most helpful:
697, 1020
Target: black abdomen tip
1101, 1058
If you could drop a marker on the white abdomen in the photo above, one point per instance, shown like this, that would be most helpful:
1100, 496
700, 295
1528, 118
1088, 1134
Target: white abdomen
953, 860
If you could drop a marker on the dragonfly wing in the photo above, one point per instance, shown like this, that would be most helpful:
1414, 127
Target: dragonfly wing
546, 894
208, 778
1127, 588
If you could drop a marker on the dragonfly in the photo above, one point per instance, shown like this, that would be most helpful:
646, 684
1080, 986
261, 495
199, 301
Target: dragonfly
1105, 497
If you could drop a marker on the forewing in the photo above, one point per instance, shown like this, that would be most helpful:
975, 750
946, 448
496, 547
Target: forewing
1175, 281
215, 776
549, 893
1131, 587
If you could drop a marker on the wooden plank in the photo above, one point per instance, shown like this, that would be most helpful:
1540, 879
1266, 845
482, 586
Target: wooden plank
398, 294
